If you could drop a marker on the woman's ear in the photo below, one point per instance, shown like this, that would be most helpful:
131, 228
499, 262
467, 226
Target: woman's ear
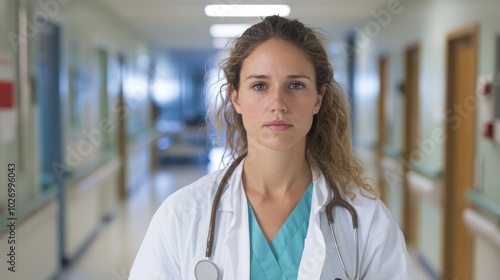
319, 99
234, 98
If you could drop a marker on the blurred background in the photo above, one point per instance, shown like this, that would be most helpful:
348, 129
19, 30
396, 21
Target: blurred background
102, 116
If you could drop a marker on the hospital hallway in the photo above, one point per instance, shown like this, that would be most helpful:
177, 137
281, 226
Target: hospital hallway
104, 105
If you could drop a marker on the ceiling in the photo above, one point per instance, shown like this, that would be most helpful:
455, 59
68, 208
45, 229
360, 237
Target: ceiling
182, 24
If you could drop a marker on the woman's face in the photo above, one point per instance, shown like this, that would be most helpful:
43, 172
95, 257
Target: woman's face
277, 97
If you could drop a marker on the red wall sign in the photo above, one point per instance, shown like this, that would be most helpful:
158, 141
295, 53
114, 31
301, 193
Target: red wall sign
6, 95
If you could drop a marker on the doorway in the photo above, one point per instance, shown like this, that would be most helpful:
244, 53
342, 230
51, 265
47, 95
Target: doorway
412, 138
461, 60
47, 92
47, 61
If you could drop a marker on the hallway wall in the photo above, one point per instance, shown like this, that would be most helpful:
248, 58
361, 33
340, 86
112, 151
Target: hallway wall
91, 41
86, 27
388, 32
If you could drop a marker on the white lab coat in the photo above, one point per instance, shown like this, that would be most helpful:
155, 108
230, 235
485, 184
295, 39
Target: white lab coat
177, 236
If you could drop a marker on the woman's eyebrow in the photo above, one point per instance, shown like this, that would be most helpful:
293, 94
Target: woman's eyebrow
258, 77
298, 77
268, 77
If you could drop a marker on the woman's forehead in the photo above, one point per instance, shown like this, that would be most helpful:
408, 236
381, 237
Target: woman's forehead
276, 58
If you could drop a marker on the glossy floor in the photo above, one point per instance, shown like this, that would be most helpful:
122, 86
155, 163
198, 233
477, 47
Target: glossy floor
112, 252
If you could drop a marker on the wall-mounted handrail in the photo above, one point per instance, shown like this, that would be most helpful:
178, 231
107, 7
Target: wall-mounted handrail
480, 201
82, 171
49, 192
94, 176
435, 174
425, 186
391, 164
479, 225
28, 208
392, 152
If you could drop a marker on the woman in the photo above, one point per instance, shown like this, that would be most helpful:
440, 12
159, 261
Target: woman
287, 121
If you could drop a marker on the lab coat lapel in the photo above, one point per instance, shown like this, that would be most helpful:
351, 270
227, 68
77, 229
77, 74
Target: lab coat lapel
237, 241
313, 257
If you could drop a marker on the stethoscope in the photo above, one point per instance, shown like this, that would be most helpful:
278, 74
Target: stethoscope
207, 270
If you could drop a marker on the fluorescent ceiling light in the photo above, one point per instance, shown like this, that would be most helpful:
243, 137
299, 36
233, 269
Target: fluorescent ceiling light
227, 30
246, 10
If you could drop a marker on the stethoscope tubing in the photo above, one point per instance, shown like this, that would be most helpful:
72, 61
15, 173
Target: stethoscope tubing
356, 275
337, 200
215, 203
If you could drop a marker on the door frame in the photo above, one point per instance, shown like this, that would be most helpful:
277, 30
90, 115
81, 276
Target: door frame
411, 118
383, 70
451, 215
121, 137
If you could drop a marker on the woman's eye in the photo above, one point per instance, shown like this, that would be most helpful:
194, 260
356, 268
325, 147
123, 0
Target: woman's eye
296, 86
259, 87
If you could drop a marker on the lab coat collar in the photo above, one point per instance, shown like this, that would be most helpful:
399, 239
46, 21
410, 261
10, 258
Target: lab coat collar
234, 193
237, 241
322, 194
314, 254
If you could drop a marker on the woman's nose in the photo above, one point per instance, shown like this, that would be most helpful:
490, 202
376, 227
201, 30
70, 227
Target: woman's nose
279, 102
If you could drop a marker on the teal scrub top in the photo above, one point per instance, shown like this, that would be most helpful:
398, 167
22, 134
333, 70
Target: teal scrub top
281, 258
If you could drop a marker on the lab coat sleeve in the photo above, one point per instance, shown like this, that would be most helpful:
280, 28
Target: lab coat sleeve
158, 256
386, 256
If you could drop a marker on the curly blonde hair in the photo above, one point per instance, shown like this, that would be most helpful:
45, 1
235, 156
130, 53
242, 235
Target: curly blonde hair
328, 143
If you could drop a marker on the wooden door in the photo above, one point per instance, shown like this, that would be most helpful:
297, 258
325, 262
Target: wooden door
460, 145
411, 140
383, 70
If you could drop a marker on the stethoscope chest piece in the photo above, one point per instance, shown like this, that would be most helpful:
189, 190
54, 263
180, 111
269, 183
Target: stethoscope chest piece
206, 270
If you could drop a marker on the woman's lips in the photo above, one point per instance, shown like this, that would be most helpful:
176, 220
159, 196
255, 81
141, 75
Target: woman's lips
278, 125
